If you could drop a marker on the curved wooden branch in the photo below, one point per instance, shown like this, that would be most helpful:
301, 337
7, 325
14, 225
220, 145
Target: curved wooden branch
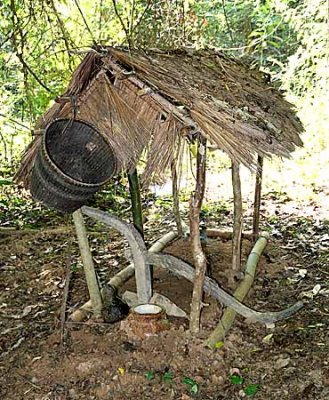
181, 268
117, 280
137, 247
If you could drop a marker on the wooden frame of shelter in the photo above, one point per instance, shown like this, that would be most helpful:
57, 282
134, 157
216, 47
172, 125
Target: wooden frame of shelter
154, 101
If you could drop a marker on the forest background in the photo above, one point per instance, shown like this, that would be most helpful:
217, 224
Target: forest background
42, 42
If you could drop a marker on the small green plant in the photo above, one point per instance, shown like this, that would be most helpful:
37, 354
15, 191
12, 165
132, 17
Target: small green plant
149, 375
194, 388
251, 389
236, 379
167, 376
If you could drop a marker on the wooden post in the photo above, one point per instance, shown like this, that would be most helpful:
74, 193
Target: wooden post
136, 203
237, 221
257, 199
88, 264
175, 194
198, 255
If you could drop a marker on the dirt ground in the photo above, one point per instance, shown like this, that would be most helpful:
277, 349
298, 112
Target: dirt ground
97, 361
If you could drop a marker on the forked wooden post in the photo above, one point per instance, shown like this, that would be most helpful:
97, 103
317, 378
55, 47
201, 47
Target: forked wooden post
198, 255
257, 199
88, 264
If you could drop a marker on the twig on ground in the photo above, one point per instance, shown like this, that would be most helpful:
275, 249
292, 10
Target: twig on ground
64, 301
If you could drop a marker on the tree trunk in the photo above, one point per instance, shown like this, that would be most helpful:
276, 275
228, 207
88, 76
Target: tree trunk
257, 199
88, 264
198, 255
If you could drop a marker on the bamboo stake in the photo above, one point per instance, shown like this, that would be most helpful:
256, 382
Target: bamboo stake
175, 194
257, 199
237, 221
198, 255
88, 264
136, 203
240, 293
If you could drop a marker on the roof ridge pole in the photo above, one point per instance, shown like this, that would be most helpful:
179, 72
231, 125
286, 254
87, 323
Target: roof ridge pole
200, 262
257, 198
237, 222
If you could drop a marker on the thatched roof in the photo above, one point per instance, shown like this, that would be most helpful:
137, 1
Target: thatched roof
152, 100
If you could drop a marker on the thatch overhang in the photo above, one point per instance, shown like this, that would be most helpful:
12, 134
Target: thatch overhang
154, 99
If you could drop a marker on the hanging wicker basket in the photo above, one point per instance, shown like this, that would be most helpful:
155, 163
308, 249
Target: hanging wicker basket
73, 162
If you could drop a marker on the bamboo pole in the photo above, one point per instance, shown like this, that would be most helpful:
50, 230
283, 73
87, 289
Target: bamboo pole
136, 203
200, 262
257, 199
88, 264
237, 221
240, 293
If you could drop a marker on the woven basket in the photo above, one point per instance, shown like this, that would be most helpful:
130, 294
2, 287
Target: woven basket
73, 162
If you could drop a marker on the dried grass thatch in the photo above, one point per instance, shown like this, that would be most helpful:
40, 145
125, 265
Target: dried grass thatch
152, 100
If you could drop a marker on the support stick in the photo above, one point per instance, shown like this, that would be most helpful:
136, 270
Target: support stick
88, 264
136, 203
257, 200
175, 194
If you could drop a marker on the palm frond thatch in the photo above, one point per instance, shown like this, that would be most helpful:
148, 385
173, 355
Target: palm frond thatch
152, 100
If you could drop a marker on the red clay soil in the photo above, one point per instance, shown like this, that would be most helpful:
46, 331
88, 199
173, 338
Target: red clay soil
97, 361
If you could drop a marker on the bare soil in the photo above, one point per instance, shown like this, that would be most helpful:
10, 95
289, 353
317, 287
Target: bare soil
97, 361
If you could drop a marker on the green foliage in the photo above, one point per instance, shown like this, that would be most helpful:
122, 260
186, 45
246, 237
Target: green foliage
236, 379
168, 376
149, 375
42, 43
251, 389
194, 388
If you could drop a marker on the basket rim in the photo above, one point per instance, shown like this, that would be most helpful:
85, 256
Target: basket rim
59, 171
